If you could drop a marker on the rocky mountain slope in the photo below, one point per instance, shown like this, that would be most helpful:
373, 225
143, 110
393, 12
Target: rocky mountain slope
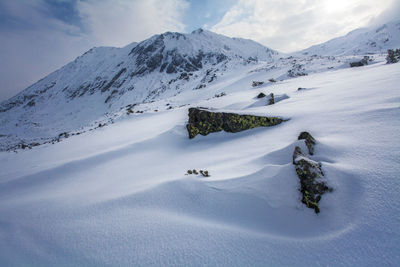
106, 79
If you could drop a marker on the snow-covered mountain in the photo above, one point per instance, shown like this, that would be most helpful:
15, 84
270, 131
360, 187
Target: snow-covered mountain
362, 41
168, 70
105, 79
140, 71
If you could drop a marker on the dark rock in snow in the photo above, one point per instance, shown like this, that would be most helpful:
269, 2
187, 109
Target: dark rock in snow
360, 63
312, 185
257, 83
393, 56
271, 100
310, 141
260, 95
203, 122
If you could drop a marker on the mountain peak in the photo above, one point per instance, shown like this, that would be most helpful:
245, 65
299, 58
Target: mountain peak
198, 31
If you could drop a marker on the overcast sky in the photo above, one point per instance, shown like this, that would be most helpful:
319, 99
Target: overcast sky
40, 36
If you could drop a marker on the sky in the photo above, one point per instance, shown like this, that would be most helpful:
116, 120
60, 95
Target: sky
39, 36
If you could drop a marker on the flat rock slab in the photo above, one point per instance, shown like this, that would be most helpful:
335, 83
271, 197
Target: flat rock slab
203, 121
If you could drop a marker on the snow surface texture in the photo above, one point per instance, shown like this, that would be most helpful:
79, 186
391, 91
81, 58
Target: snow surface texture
120, 196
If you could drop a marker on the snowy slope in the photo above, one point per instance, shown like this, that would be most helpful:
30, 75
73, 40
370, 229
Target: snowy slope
362, 41
106, 79
119, 195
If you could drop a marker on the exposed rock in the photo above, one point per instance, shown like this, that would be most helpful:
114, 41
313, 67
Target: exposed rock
261, 95
116, 76
393, 56
296, 70
203, 173
309, 140
220, 95
203, 122
271, 100
257, 83
360, 63
312, 185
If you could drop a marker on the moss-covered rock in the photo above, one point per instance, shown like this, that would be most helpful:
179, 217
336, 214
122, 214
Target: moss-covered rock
202, 121
312, 185
309, 140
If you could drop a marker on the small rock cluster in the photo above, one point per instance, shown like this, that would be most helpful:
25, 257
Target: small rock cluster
271, 99
203, 173
360, 63
312, 185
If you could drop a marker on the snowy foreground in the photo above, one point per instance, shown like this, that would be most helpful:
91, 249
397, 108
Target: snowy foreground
119, 195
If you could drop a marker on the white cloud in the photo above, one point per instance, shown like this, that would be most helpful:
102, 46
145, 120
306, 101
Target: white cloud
288, 25
119, 22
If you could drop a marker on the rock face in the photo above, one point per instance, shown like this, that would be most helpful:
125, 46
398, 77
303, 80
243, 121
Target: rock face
202, 121
312, 185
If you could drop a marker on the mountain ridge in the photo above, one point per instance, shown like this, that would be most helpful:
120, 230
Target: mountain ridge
368, 40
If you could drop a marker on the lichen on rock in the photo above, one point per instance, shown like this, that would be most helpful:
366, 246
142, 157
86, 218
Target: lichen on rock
202, 121
312, 185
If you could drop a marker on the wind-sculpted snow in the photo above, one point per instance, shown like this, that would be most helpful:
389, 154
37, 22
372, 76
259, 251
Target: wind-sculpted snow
118, 195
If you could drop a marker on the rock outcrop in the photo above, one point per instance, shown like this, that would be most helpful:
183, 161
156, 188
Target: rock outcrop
309, 140
271, 99
393, 56
261, 95
312, 184
360, 63
203, 121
